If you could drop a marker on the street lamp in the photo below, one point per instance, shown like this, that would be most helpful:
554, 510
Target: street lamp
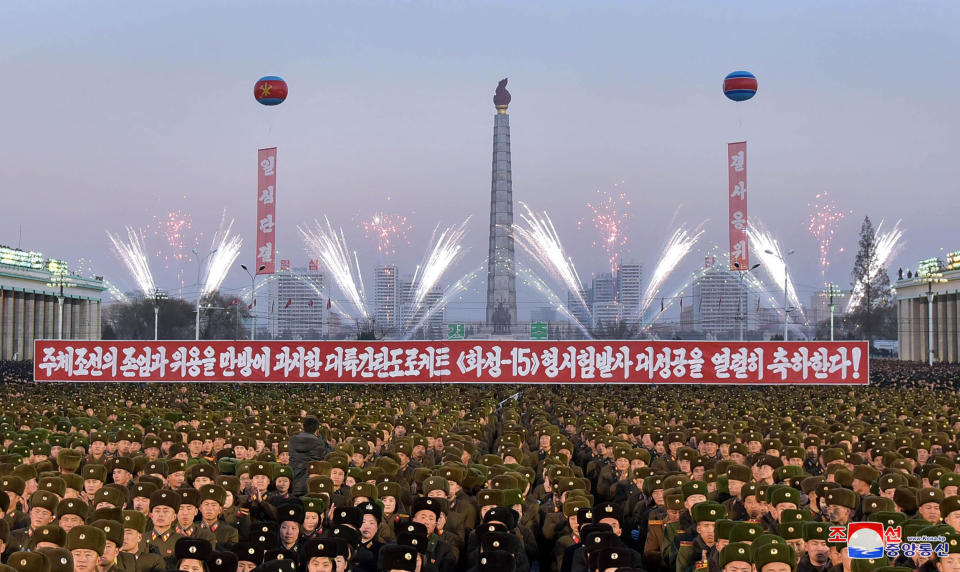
743, 312
786, 310
157, 295
253, 279
931, 278
200, 262
58, 279
831, 291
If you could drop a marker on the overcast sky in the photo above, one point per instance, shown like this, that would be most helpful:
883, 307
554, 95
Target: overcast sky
117, 112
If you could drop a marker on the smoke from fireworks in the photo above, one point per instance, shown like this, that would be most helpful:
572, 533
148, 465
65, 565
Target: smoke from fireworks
330, 247
773, 262
133, 256
389, 230
609, 216
225, 250
888, 245
677, 247
822, 223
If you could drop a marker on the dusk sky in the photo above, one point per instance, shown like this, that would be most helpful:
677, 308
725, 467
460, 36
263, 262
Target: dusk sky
119, 112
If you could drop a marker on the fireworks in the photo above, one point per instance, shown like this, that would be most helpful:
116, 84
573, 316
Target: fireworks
389, 230
133, 256
538, 237
677, 247
173, 241
447, 249
455, 289
609, 215
888, 245
225, 250
84, 268
822, 223
531, 279
331, 248
774, 262
175, 233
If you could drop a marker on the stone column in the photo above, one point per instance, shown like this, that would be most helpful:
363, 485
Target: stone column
6, 334
501, 269
19, 303
29, 321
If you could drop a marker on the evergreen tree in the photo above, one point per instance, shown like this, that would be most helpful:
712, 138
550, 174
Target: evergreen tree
874, 283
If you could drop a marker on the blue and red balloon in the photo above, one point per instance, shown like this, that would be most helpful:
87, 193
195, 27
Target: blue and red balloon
740, 85
270, 90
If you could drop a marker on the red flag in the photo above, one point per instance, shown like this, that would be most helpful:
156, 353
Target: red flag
287, 305
235, 301
329, 303
310, 303
252, 306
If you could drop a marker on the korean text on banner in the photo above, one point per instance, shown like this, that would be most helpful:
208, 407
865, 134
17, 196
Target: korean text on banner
466, 361
737, 168
266, 210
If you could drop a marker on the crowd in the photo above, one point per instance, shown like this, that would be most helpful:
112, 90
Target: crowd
270, 478
895, 373
16, 370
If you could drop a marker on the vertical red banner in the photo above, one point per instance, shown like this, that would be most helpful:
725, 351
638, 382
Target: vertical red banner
737, 168
266, 210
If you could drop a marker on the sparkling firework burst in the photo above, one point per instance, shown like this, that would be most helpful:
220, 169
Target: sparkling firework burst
822, 223
389, 230
677, 247
446, 250
173, 240
449, 294
134, 257
888, 245
226, 249
774, 264
609, 216
538, 238
175, 233
330, 247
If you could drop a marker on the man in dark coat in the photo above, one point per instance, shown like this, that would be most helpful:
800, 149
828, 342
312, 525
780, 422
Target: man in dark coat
305, 447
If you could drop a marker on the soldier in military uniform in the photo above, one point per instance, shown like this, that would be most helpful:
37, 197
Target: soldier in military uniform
86, 543
439, 553
369, 528
14, 486
192, 554
113, 532
212, 498
187, 514
164, 506
134, 554
43, 508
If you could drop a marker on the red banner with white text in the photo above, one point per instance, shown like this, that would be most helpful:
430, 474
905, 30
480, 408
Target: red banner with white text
465, 361
266, 210
737, 167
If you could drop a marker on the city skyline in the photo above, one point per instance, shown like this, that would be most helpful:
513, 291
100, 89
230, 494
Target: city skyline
583, 119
